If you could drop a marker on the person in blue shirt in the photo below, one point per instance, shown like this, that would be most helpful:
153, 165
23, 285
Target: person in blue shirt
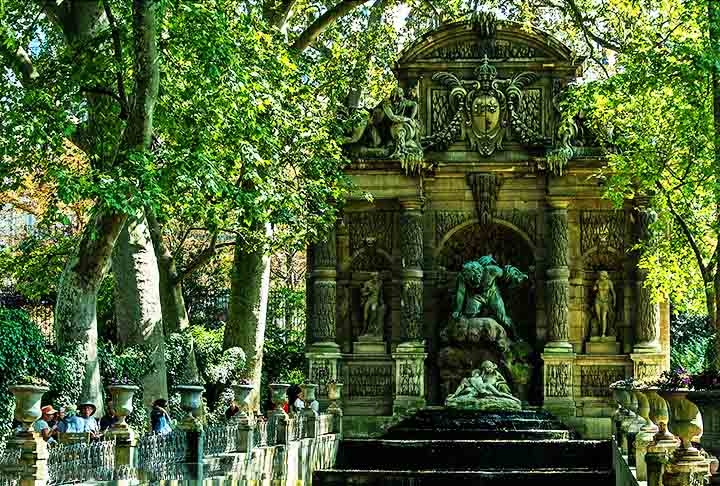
159, 418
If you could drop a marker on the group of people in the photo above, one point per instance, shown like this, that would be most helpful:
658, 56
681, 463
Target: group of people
296, 401
54, 422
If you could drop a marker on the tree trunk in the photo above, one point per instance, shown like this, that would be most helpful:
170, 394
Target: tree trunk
75, 311
247, 308
174, 312
137, 301
714, 31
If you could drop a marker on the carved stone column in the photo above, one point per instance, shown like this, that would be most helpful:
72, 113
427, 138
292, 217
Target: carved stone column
411, 253
647, 323
557, 286
410, 355
323, 352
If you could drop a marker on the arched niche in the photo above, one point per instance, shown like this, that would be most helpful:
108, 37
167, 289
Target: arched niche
611, 260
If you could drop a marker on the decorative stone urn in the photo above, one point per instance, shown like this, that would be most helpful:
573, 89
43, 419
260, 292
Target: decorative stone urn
190, 402
334, 391
686, 422
309, 390
122, 397
242, 394
279, 397
708, 401
27, 404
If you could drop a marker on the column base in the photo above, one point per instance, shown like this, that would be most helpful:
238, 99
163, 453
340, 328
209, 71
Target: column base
647, 347
558, 347
323, 367
409, 376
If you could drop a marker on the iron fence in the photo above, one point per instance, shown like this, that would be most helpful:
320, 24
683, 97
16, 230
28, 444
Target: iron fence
225, 438
82, 461
161, 456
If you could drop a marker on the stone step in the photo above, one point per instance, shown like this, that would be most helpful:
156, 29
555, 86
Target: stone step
479, 434
462, 455
569, 477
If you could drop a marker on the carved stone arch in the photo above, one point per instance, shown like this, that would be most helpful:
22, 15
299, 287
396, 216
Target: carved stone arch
368, 259
496, 221
530, 43
603, 258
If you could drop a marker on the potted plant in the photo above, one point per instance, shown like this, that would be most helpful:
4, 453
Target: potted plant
122, 392
28, 392
685, 418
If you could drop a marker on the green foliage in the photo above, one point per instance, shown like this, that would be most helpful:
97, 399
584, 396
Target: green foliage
283, 356
24, 352
128, 365
691, 342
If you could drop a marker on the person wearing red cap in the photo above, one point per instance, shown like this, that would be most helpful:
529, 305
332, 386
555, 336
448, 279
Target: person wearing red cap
41, 425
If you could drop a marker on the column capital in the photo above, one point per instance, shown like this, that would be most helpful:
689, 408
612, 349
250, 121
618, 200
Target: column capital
558, 203
412, 203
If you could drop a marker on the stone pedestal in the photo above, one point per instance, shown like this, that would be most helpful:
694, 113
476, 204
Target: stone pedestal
125, 443
558, 382
686, 473
409, 376
647, 365
372, 345
31, 469
602, 346
557, 286
323, 359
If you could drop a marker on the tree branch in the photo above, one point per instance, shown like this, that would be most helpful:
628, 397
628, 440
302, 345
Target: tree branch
117, 51
687, 232
276, 11
320, 24
202, 258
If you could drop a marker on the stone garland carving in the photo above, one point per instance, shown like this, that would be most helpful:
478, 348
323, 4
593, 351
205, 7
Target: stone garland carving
411, 239
595, 380
369, 380
557, 296
376, 228
602, 229
324, 252
557, 239
409, 379
648, 317
324, 309
557, 380
644, 371
484, 108
485, 189
527, 120
320, 373
411, 316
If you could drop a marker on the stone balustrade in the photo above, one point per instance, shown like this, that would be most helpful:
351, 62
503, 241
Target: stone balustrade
282, 449
658, 433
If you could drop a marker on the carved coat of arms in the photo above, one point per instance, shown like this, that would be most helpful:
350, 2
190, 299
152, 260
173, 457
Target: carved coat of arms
482, 109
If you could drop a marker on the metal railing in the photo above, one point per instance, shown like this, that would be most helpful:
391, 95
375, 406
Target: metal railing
161, 456
82, 461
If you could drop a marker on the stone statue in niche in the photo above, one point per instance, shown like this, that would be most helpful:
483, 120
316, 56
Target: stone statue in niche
604, 305
391, 130
485, 390
373, 306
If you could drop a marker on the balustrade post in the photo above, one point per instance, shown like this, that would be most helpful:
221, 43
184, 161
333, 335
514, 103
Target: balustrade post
191, 425
31, 468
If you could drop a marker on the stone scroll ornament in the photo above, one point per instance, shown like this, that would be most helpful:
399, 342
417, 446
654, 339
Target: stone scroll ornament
484, 110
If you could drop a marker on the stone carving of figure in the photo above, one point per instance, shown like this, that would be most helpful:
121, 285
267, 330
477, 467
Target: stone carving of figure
389, 130
477, 292
373, 306
604, 301
479, 390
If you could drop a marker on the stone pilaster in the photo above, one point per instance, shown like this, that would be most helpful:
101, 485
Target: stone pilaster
409, 377
411, 252
558, 382
323, 352
647, 324
557, 286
